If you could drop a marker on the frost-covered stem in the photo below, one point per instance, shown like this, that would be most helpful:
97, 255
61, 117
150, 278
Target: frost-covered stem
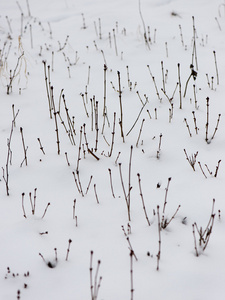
153, 79
212, 78
76, 182
103, 55
125, 196
9, 155
177, 84
129, 178
92, 115
170, 115
55, 118
31, 37
159, 232
111, 184
216, 128
110, 40
56, 258
96, 126
196, 103
217, 168
24, 213
131, 275
68, 68
195, 122
210, 173
41, 147
114, 38
207, 77
195, 244
74, 207
173, 216
84, 151
85, 108
50, 30
47, 89
21, 24
140, 97
121, 107
96, 140
13, 111
71, 132
84, 24
24, 148
218, 23
186, 85
128, 77
149, 114
166, 194
217, 74
142, 199
64, 45
9, 86
67, 160
96, 196
207, 119
166, 45
104, 99
140, 132
89, 184
68, 249
212, 212
79, 150
99, 28
98, 287
79, 182
89, 70
159, 148
131, 248
192, 159
45, 210
181, 36
91, 275
96, 280
28, 8
43, 258
194, 53
170, 99
209, 232
113, 135
155, 113
179, 81
31, 203
35, 197
145, 33
163, 77
117, 158
19, 6
202, 169
91, 152
185, 120
136, 119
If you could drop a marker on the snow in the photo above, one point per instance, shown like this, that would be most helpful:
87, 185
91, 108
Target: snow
157, 156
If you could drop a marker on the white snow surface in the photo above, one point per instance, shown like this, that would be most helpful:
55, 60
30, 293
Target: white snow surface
112, 33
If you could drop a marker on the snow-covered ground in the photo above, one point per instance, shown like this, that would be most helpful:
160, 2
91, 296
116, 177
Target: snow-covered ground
116, 73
